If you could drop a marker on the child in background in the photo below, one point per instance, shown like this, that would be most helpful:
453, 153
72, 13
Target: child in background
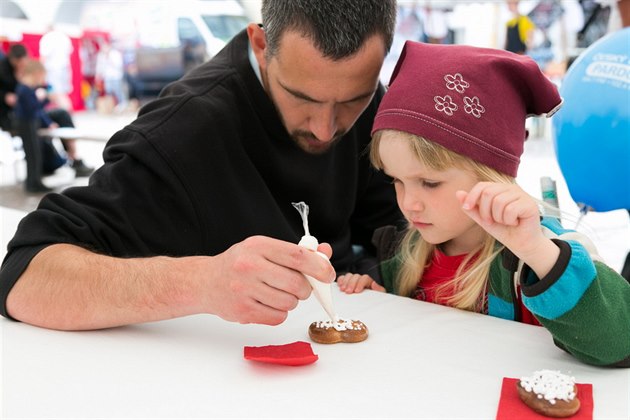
29, 117
450, 133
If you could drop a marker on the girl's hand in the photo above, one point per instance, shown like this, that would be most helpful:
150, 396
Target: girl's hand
511, 216
356, 283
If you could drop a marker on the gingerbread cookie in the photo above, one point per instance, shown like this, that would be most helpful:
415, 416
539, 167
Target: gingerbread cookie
328, 332
549, 393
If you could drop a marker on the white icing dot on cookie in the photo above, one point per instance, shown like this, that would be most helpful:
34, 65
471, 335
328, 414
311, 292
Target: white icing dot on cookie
340, 325
550, 385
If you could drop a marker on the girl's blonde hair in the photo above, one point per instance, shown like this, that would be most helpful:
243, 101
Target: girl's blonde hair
471, 278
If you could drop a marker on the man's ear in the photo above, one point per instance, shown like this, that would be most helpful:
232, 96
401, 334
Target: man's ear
258, 42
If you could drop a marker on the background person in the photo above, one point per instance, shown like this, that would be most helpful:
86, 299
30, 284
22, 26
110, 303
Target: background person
519, 30
191, 211
10, 66
55, 48
29, 117
111, 73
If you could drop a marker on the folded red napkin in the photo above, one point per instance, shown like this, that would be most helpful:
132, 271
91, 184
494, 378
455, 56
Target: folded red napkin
293, 354
511, 407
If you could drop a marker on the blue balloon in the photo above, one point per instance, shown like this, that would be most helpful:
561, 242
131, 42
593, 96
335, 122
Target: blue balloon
592, 129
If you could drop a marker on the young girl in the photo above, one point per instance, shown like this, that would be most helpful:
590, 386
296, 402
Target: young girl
450, 133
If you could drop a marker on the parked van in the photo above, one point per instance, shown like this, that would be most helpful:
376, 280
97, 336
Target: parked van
166, 38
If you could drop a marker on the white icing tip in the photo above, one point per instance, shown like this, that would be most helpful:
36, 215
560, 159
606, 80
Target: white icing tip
309, 242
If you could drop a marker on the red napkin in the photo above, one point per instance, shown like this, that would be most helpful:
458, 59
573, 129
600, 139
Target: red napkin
293, 354
511, 407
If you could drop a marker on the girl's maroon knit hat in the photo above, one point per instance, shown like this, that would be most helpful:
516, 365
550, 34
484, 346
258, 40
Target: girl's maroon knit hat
473, 101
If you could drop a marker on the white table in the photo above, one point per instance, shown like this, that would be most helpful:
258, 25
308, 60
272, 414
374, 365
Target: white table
420, 361
76, 134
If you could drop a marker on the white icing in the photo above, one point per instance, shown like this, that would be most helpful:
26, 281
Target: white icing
302, 208
340, 324
321, 290
309, 242
550, 385
323, 293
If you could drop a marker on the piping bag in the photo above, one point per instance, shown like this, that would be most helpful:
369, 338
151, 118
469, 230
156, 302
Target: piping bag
322, 291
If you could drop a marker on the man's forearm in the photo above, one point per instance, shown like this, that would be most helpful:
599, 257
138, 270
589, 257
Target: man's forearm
69, 288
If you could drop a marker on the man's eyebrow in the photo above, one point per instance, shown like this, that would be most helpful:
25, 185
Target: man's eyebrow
304, 96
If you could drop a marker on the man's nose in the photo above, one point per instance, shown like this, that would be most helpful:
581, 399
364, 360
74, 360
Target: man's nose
324, 123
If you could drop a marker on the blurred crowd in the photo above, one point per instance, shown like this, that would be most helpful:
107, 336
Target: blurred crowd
552, 32
96, 71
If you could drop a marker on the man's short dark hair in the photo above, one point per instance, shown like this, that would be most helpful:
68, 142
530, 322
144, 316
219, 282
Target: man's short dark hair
338, 28
17, 51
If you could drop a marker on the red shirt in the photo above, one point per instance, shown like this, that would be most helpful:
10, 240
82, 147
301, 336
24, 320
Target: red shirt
442, 269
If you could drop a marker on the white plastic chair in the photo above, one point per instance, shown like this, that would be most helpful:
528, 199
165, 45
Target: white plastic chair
11, 153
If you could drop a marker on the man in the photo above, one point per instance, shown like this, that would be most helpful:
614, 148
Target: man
191, 212
10, 66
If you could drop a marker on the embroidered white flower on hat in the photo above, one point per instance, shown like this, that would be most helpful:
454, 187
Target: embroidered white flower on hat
445, 104
456, 82
472, 106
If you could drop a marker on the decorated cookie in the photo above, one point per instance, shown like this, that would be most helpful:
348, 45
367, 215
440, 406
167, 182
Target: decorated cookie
549, 393
329, 332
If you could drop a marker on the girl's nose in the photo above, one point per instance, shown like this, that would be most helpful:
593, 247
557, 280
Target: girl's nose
411, 202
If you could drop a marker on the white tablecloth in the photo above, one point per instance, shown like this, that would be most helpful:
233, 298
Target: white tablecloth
420, 361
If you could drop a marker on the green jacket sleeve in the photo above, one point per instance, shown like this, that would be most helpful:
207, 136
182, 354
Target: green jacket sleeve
584, 304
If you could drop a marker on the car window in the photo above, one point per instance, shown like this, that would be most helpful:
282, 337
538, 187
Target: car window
11, 10
225, 27
188, 32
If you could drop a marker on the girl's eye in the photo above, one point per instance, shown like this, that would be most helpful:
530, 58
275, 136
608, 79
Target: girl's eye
430, 184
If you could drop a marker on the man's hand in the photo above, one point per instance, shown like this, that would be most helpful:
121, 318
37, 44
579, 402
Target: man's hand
260, 279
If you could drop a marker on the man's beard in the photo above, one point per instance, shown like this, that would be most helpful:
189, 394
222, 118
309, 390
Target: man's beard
307, 141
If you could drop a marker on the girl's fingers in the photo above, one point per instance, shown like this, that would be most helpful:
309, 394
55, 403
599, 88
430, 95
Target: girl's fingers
494, 202
377, 287
353, 283
505, 207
